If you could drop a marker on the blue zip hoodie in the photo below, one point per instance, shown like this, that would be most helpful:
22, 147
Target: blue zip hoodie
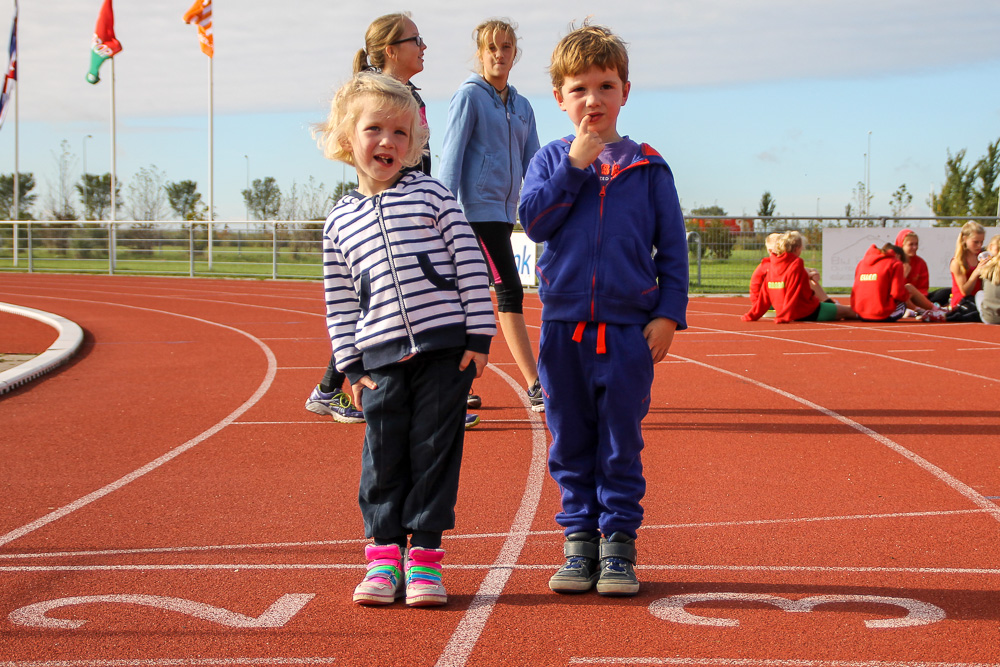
615, 254
487, 147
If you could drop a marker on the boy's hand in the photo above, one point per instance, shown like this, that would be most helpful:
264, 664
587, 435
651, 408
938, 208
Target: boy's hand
478, 357
586, 146
659, 335
358, 386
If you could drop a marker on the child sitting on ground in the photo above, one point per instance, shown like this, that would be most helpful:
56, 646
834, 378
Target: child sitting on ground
881, 293
988, 299
760, 273
789, 289
410, 319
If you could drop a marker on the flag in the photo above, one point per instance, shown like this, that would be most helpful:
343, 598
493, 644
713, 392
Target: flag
8, 81
104, 44
200, 14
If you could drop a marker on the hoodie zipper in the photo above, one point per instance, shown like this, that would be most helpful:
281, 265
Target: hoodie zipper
377, 201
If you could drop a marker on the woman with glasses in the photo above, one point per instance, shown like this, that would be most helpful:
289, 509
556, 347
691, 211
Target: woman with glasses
488, 142
393, 46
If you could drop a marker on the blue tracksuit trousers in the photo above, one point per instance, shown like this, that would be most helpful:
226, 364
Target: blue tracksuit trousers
594, 406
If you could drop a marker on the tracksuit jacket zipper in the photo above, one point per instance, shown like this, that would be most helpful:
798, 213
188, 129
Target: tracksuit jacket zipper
377, 201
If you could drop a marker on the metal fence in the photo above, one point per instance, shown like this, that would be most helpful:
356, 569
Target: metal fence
723, 251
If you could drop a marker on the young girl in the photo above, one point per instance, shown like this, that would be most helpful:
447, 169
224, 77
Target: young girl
965, 266
919, 275
488, 141
759, 304
790, 290
410, 319
988, 300
881, 293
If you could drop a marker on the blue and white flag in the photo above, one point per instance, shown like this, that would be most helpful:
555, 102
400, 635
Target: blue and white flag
11, 76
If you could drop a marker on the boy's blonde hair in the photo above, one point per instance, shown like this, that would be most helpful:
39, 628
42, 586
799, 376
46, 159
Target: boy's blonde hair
991, 271
585, 47
789, 242
970, 228
382, 32
368, 88
487, 32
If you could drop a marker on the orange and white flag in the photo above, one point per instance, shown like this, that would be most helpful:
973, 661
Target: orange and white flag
200, 15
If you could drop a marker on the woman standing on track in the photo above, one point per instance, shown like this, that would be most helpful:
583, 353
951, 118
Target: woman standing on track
488, 142
393, 46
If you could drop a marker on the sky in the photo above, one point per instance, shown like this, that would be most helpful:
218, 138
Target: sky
804, 99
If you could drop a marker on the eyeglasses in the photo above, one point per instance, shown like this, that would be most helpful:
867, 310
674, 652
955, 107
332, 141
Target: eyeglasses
416, 39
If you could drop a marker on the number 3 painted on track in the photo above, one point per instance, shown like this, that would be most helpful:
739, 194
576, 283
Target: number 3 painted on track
672, 608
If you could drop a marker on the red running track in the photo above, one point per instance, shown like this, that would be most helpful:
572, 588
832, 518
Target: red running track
820, 495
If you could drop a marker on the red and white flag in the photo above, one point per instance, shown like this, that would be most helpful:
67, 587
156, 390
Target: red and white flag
200, 15
104, 45
11, 77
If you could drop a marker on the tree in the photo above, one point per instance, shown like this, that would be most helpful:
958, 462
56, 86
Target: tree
901, 200
263, 199
767, 205
146, 194
863, 199
716, 236
185, 200
956, 193
316, 201
26, 199
342, 189
985, 196
59, 201
96, 196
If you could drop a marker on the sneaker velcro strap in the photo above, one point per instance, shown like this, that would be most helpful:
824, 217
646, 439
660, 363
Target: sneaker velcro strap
579, 548
618, 550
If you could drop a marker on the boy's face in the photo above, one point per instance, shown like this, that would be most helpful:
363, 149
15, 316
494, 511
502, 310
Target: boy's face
381, 139
599, 94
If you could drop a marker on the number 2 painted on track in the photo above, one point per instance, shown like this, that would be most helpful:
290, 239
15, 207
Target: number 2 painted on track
275, 616
672, 608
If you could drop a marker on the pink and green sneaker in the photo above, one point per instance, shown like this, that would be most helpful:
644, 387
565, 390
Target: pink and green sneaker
423, 578
384, 581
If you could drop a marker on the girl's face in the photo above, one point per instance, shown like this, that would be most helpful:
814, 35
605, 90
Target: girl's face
974, 243
497, 57
405, 57
381, 139
911, 245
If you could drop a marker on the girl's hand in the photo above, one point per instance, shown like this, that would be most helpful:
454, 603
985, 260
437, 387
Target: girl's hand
358, 386
478, 358
586, 146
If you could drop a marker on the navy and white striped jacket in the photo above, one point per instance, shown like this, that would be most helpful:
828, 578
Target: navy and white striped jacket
403, 274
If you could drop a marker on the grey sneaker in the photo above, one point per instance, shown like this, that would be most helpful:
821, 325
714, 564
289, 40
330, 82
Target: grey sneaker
580, 572
618, 566
342, 410
535, 397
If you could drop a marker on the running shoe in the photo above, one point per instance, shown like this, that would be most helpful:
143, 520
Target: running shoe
535, 397
471, 420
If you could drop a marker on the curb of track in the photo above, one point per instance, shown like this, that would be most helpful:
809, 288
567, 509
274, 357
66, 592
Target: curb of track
64, 347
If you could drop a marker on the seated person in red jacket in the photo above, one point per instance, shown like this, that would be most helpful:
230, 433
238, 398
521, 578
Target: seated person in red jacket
757, 279
881, 293
790, 291
919, 275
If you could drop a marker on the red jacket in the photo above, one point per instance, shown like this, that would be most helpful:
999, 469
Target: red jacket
786, 287
879, 285
759, 303
920, 276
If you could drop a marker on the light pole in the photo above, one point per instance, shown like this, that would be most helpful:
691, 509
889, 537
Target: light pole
246, 197
868, 173
85, 199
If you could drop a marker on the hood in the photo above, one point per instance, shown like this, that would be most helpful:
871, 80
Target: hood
476, 80
902, 235
875, 255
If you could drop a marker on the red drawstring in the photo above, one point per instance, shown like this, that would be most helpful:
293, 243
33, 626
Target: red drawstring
578, 336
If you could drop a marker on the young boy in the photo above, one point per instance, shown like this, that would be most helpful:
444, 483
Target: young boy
410, 318
613, 285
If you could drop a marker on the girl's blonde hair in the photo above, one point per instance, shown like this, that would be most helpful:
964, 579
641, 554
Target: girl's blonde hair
789, 242
970, 228
365, 91
382, 32
487, 32
991, 270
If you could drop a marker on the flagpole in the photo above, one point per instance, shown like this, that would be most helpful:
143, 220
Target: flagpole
112, 228
211, 159
17, 187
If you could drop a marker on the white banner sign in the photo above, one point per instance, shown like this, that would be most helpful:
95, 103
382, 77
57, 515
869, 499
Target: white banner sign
524, 257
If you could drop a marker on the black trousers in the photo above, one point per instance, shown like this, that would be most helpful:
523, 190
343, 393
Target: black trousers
412, 453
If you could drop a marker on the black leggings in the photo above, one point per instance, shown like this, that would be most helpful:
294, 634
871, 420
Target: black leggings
333, 380
494, 241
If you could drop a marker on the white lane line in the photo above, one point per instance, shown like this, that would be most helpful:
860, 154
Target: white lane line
974, 496
735, 354
463, 640
170, 662
767, 662
170, 455
803, 354
236, 568
474, 536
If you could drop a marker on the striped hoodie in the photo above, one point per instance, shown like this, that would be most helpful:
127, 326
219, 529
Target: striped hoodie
403, 274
